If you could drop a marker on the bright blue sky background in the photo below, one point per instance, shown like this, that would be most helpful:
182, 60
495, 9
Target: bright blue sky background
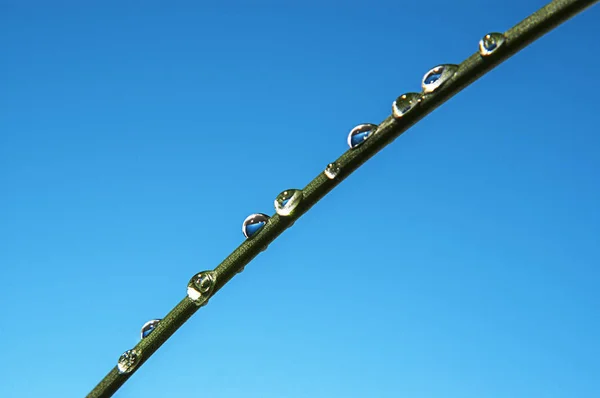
462, 261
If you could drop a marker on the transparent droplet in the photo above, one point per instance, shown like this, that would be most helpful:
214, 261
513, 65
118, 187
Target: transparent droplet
253, 223
128, 361
405, 103
148, 328
287, 201
437, 76
360, 133
201, 287
332, 170
490, 43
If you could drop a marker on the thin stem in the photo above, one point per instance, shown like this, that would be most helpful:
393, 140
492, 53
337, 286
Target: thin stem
468, 71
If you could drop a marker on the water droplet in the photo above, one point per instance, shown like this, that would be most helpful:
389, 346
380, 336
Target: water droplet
405, 103
148, 328
128, 361
332, 170
253, 223
201, 287
360, 133
287, 201
490, 43
437, 76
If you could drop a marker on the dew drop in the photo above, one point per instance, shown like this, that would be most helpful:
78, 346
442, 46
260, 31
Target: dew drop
405, 103
128, 361
287, 201
360, 133
148, 328
253, 223
332, 170
490, 43
436, 77
201, 287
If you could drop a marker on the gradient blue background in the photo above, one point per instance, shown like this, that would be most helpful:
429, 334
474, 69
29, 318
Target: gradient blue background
135, 137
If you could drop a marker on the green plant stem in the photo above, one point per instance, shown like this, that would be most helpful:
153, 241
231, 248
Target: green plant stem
471, 69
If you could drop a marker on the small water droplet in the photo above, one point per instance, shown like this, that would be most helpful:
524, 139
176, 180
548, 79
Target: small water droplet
287, 201
253, 223
201, 287
149, 327
332, 170
405, 103
128, 361
436, 77
490, 43
360, 133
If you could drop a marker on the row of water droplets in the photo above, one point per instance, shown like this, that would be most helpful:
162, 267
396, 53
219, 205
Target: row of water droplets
431, 82
131, 358
201, 285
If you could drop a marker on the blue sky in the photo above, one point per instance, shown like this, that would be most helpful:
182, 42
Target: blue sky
135, 137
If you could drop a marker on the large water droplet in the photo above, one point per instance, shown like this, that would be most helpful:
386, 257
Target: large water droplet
201, 287
436, 77
332, 170
405, 103
149, 327
253, 223
490, 43
360, 133
287, 201
129, 360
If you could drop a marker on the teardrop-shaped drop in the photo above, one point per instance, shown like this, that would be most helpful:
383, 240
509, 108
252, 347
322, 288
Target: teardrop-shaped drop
438, 76
148, 328
128, 361
201, 287
405, 103
287, 201
253, 223
490, 43
332, 170
360, 133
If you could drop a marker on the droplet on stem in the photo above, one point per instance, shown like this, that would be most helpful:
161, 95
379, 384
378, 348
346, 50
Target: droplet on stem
287, 201
128, 361
359, 134
201, 287
490, 43
437, 77
332, 170
253, 223
405, 103
148, 328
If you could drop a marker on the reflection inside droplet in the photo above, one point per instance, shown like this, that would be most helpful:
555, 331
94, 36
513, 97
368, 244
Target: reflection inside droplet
201, 286
359, 134
128, 361
253, 223
149, 327
436, 77
433, 77
405, 103
332, 170
287, 201
490, 43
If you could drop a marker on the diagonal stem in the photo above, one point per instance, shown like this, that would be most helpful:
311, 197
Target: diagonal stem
472, 68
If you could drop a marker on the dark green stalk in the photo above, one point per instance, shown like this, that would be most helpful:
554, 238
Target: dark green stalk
471, 69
